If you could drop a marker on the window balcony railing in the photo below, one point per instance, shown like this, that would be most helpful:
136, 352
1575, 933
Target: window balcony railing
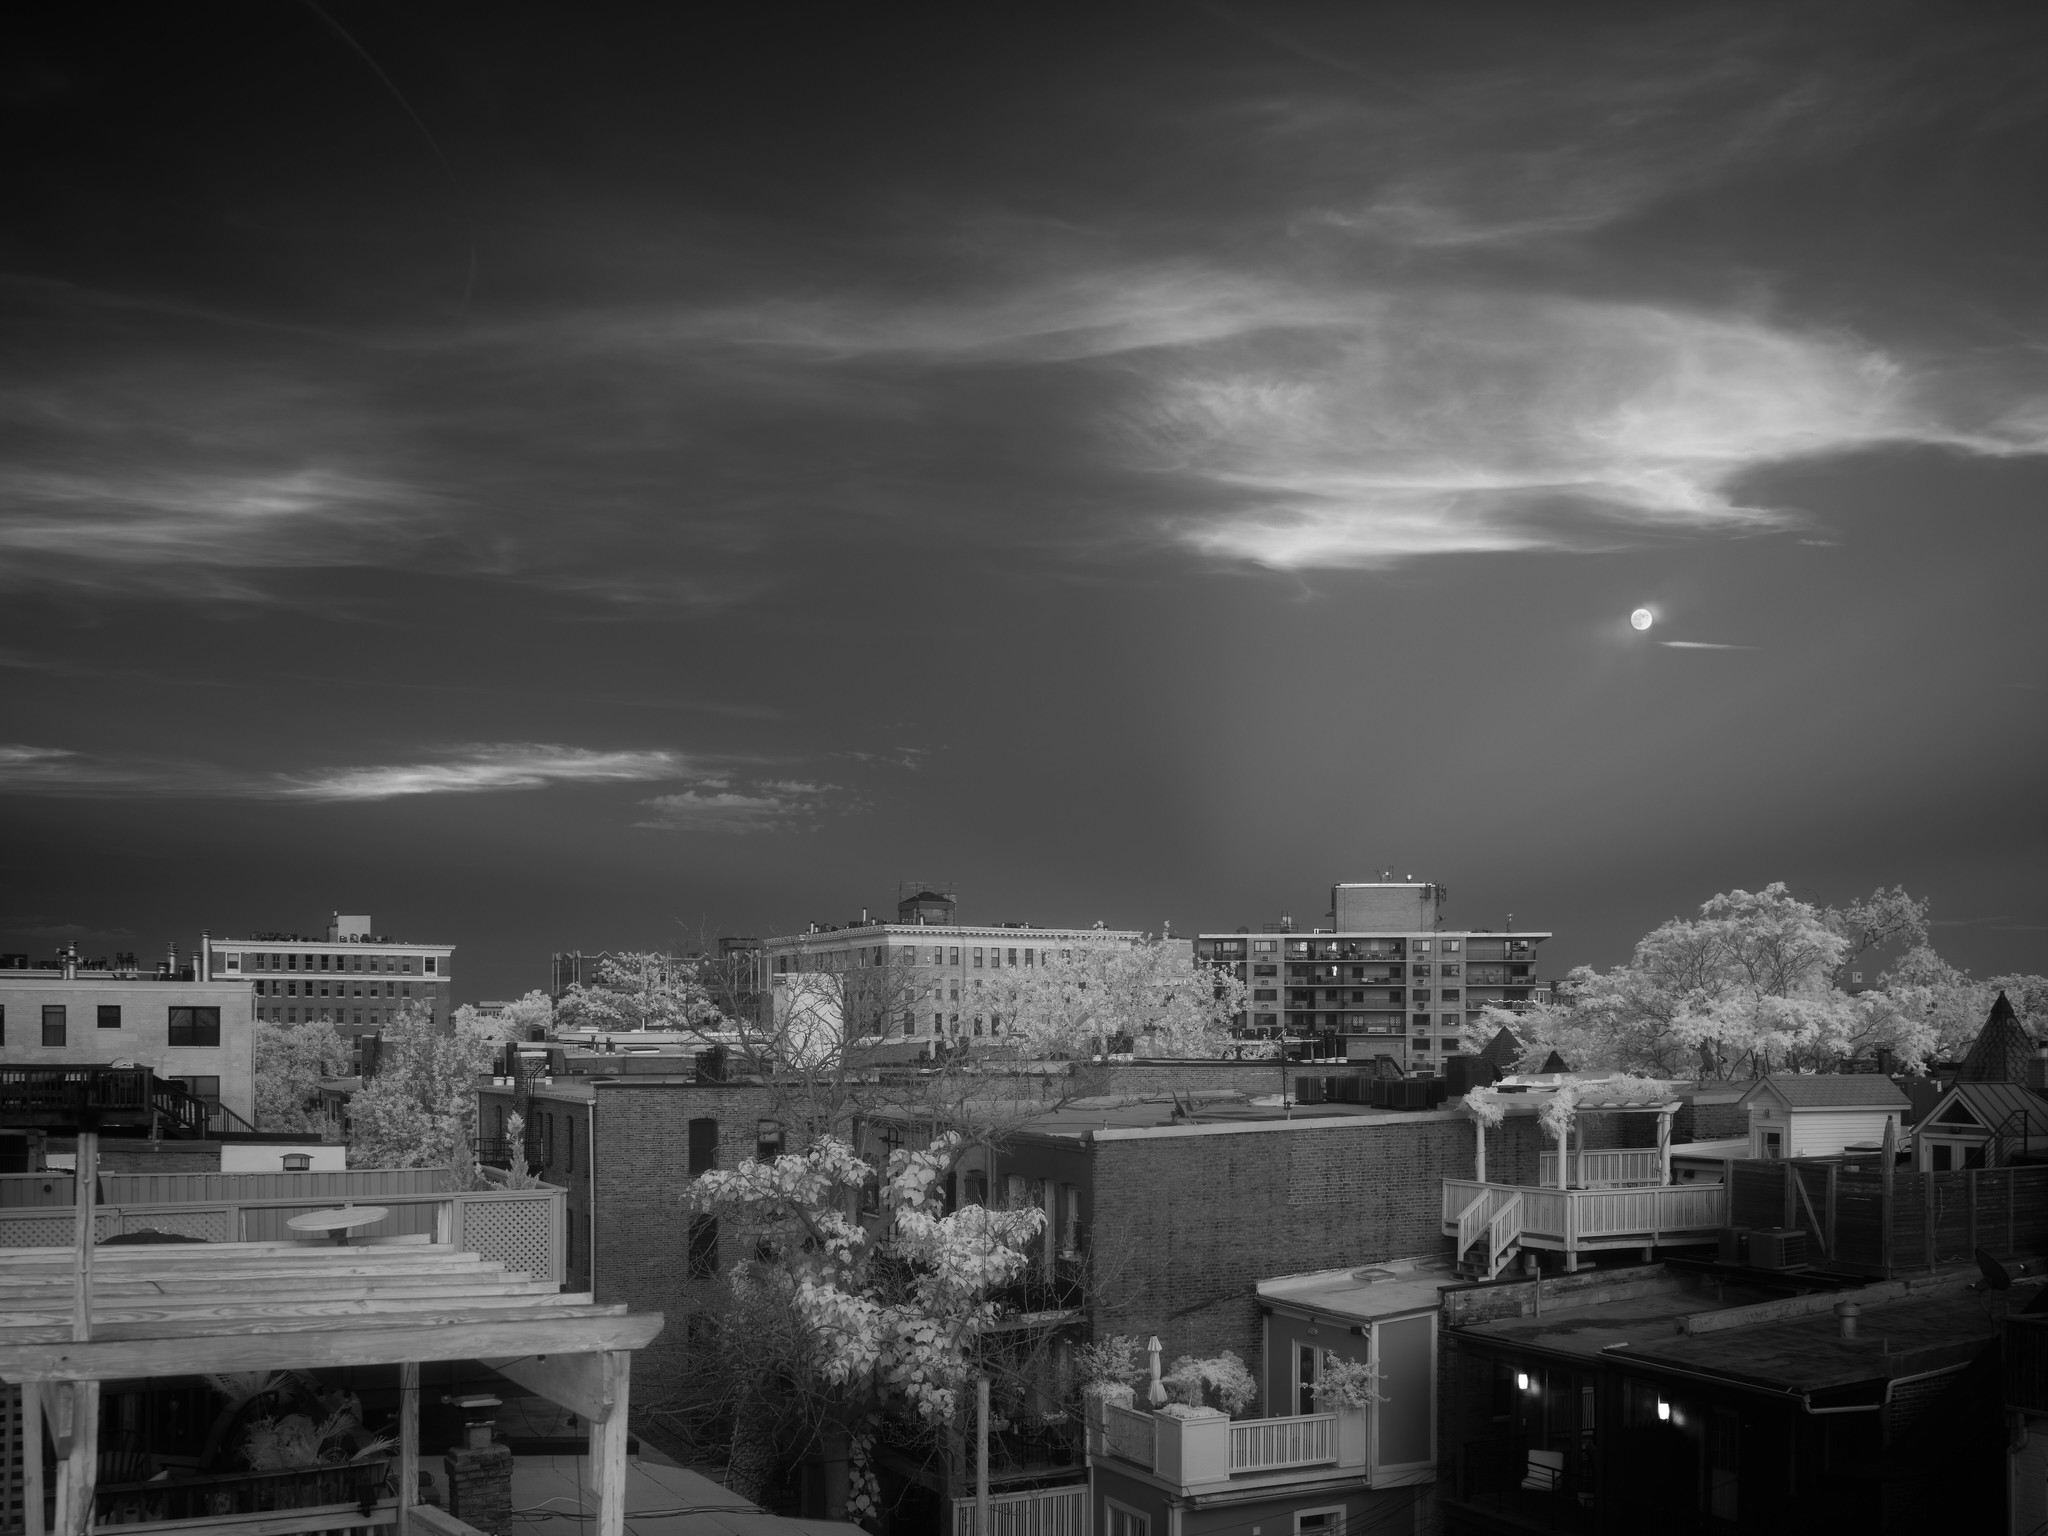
1211, 1449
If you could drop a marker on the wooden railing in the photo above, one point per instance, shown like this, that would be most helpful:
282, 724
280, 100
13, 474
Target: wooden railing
1504, 1230
1609, 1168
1129, 1434
1266, 1445
525, 1229
1041, 1512
355, 1487
1590, 1218
26, 1190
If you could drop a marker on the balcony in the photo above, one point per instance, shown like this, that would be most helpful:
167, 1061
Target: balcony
1203, 1452
1613, 1168
1574, 1221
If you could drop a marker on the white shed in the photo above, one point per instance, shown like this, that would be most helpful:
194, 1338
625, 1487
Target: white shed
1798, 1115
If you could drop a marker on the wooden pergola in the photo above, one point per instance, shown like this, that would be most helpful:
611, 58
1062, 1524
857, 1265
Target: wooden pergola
73, 1318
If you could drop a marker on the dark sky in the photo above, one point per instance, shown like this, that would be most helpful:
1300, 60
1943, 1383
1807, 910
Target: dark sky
556, 476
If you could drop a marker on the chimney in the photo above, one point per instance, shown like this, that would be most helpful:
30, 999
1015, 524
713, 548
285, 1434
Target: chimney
205, 965
70, 959
1846, 1313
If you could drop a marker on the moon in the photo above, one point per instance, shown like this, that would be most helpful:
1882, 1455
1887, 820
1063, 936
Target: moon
1642, 618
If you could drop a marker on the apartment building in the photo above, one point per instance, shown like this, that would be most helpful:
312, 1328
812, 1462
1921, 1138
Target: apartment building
198, 1033
923, 976
351, 977
1386, 972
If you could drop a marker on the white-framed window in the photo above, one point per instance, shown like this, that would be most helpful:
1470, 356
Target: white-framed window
1265, 946
232, 961
1125, 1521
1327, 1521
1421, 946
1450, 946
430, 965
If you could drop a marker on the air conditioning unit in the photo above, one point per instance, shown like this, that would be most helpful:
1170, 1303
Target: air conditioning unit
1777, 1248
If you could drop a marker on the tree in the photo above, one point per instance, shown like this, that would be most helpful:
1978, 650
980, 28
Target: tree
641, 992
845, 1321
421, 1100
1755, 984
518, 1021
1090, 1000
290, 1061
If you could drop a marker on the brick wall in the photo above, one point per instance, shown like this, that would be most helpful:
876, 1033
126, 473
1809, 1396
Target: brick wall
1092, 1079
1189, 1224
639, 1229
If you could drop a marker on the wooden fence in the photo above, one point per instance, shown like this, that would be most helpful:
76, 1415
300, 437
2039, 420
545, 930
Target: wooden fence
1865, 1223
20, 1191
1040, 1512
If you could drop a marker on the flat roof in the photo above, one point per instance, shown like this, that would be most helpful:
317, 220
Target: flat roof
1377, 1290
1897, 1336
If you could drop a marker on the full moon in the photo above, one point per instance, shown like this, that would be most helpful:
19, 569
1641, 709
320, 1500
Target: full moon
1641, 618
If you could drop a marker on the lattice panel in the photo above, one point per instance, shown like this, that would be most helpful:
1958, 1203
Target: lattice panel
38, 1231
514, 1232
209, 1226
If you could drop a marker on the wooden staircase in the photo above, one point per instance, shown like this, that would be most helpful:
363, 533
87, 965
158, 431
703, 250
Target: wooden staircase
1489, 1234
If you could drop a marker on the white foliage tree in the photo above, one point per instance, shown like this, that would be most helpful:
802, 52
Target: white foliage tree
878, 1314
641, 992
421, 1102
518, 1021
290, 1061
1082, 1002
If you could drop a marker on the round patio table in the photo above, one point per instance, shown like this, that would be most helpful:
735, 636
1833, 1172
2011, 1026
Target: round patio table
338, 1222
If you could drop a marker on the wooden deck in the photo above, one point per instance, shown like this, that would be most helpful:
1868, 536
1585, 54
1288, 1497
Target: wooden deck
1575, 1221
73, 1318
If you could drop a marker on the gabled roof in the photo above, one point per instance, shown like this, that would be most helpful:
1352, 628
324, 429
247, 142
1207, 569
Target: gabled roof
1988, 1106
1553, 1063
1503, 1050
1841, 1090
2002, 1051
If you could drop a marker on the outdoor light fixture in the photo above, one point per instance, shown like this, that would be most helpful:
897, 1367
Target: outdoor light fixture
1522, 1381
1663, 1409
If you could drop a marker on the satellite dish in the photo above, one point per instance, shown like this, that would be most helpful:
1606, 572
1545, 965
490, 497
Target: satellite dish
1995, 1274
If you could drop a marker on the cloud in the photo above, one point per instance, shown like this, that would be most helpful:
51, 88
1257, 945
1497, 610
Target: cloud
1703, 645
469, 770
774, 805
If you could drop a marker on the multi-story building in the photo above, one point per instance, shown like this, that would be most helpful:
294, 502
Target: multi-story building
1386, 971
353, 977
198, 1033
923, 976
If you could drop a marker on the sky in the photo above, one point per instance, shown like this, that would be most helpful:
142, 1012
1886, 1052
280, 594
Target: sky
606, 476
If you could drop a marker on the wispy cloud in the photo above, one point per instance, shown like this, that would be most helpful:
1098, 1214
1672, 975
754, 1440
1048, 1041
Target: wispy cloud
56, 771
1703, 645
715, 806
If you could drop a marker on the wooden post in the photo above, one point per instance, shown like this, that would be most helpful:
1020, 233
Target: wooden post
1886, 1188
1927, 1215
981, 1522
1970, 1181
1563, 1159
408, 1443
1579, 1149
81, 1471
1791, 1217
1834, 1179
32, 1459
1664, 1120
84, 1185
608, 1443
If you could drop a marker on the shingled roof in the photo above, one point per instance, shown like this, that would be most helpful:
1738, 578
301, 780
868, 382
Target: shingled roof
1845, 1090
1503, 1050
2002, 1051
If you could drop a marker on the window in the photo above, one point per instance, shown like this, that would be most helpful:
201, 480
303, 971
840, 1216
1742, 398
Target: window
703, 1246
195, 1026
1126, 1522
977, 959
1307, 1363
3, 1023
703, 1146
768, 1140
1013, 957
232, 962
1447, 970
954, 952
297, 1162
1265, 946
205, 1088
1421, 1021
359, 963
53, 1024
1774, 1144
428, 965
1420, 946
1030, 957
109, 1015
1319, 1522
1449, 946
